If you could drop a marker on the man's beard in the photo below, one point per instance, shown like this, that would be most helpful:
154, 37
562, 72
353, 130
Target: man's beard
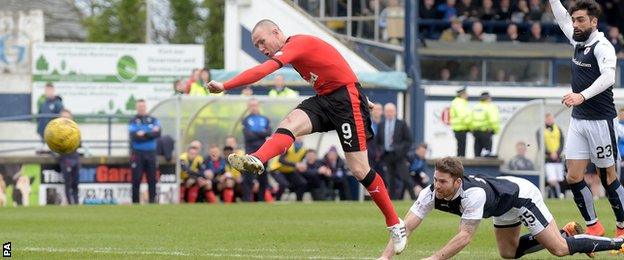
581, 36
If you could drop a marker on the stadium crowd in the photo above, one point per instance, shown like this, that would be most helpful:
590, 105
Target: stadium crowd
480, 20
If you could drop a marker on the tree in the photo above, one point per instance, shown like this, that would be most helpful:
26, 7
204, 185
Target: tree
193, 27
213, 42
186, 21
120, 21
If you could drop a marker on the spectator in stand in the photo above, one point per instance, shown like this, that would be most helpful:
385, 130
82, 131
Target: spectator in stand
247, 92
547, 16
198, 88
519, 162
474, 74
280, 90
453, 33
478, 35
315, 174
505, 11
428, 10
512, 34
521, 13
51, 104
179, 86
487, 11
536, 9
613, 11
392, 22
192, 79
466, 9
536, 33
338, 179
501, 75
214, 169
191, 165
418, 168
445, 74
448, 10
615, 38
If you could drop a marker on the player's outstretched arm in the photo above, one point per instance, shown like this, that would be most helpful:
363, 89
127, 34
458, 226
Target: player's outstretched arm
467, 228
246, 77
411, 223
563, 19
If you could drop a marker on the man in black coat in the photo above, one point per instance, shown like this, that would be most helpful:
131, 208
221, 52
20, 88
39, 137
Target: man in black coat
394, 140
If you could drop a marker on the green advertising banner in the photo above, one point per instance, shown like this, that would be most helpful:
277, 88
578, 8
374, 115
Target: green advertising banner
95, 78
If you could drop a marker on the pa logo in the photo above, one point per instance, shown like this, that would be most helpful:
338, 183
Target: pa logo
6, 249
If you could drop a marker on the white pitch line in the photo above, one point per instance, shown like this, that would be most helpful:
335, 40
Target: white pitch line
108, 250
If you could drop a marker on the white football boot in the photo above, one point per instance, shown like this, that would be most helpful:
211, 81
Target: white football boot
398, 233
246, 163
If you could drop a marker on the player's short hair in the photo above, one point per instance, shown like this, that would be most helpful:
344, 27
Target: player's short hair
592, 7
264, 22
450, 165
140, 100
49, 84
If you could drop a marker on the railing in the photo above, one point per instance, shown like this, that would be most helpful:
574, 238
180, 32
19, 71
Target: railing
328, 11
495, 71
107, 143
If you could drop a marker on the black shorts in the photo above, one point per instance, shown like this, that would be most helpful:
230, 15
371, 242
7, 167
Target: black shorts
344, 110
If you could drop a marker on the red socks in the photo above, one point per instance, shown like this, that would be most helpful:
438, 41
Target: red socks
228, 195
210, 196
268, 197
377, 190
277, 144
193, 192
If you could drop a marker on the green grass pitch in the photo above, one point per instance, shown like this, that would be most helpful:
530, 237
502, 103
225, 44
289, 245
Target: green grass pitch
242, 231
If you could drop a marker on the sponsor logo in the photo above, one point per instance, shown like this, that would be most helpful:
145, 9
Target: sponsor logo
578, 63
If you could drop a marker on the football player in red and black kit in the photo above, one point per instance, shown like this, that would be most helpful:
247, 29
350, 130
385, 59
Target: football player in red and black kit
339, 105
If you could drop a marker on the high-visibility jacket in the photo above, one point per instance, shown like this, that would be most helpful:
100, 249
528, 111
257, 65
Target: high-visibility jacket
292, 156
460, 114
485, 117
286, 92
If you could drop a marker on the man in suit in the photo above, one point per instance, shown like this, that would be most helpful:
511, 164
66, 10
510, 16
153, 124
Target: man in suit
394, 140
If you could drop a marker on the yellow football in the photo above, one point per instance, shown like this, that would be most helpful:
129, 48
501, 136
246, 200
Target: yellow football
62, 135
